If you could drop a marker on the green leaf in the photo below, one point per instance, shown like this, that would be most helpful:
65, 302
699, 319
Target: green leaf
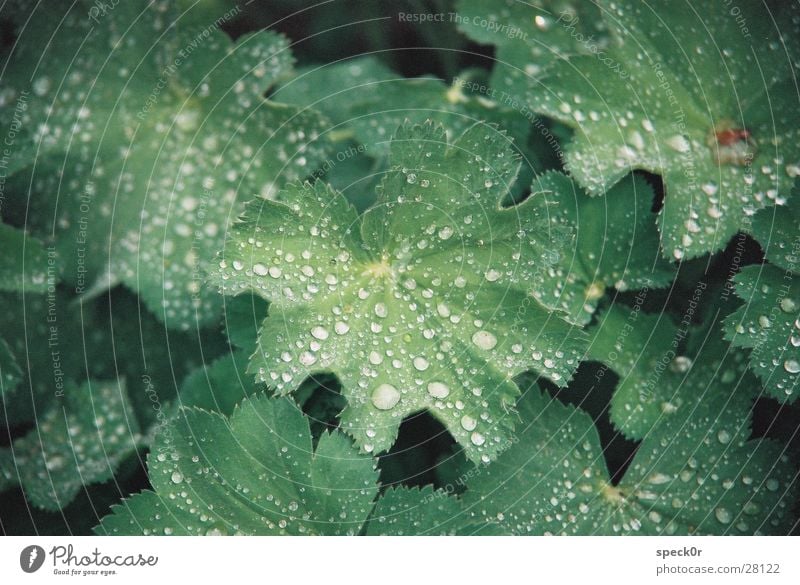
242, 320
10, 372
23, 262
692, 97
8, 475
254, 473
696, 472
417, 512
616, 245
422, 303
769, 325
639, 348
62, 342
81, 440
143, 139
528, 36
219, 386
777, 229
367, 101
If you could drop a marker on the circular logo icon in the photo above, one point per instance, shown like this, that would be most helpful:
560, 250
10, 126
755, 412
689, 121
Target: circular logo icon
31, 558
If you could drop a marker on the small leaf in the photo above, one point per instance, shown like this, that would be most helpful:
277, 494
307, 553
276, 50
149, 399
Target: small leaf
417, 512
23, 262
79, 441
616, 245
254, 473
769, 325
640, 349
420, 304
219, 386
10, 372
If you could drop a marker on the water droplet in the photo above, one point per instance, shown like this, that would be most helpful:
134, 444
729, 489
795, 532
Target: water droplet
788, 305
385, 397
468, 423
678, 143
420, 363
319, 333
724, 437
477, 439
723, 515
791, 366
438, 389
484, 339
659, 478
177, 477
492, 275
341, 327
260, 269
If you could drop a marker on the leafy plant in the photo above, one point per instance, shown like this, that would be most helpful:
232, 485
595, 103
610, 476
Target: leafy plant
703, 105
426, 285
543, 280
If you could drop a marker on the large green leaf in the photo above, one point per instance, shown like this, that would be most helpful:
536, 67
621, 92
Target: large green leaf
692, 96
769, 325
616, 245
144, 131
81, 440
423, 303
255, 473
695, 472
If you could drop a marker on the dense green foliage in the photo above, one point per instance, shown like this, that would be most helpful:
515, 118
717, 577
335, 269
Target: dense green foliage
526, 268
